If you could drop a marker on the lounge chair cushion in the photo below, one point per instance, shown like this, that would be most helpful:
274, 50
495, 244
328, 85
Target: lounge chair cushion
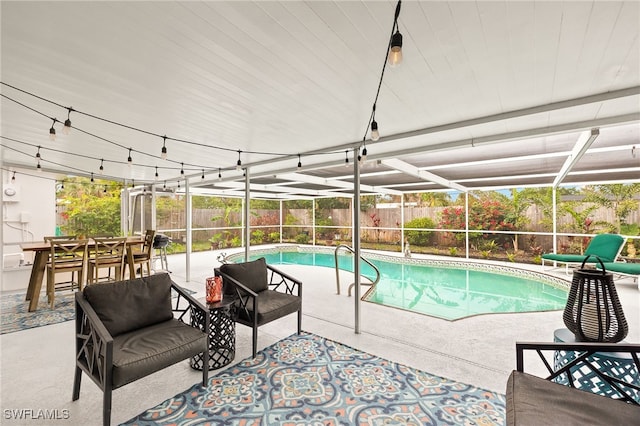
133, 304
251, 274
141, 352
535, 401
570, 258
623, 268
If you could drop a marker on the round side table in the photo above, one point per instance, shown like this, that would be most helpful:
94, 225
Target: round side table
222, 334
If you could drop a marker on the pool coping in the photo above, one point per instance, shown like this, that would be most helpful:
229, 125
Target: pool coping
475, 264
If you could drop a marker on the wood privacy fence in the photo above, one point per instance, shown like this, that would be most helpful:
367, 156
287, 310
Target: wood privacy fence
386, 230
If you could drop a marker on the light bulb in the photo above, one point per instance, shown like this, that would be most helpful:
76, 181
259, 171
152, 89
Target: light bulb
163, 152
52, 133
375, 135
39, 167
67, 127
364, 154
395, 53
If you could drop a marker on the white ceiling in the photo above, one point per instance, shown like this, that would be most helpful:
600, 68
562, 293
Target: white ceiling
486, 80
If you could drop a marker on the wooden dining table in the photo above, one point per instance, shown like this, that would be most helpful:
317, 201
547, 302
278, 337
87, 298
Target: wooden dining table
41, 252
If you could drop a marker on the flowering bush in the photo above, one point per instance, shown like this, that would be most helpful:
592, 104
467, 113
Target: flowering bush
485, 215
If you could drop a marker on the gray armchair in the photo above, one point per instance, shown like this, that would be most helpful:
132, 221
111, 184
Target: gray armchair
263, 294
129, 329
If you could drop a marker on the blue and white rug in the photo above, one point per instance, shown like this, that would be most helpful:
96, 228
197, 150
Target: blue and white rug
15, 315
309, 380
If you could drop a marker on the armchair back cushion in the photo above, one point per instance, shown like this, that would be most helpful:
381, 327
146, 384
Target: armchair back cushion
252, 274
132, 304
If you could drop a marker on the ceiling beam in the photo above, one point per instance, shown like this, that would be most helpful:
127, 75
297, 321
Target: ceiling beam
280, 189
582, 145
408, 169
335, 183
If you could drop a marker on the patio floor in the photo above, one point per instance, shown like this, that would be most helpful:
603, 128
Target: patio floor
37, 364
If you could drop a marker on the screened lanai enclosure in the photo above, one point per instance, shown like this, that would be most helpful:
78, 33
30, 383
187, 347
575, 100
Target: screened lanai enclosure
280, 107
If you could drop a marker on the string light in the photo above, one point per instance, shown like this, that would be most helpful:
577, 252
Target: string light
38, 153
129, 159
364, 153
52, 131
239, 163
202, 174
178, 184
13, 177
163, 152
375, 134
299, 162
395, 44
61, 184
133, 182
164, 185
102, 166
105, 189
219, 174
67, 123
633, 151
156, 172
38, 166
92, 177
182, 168
346, 158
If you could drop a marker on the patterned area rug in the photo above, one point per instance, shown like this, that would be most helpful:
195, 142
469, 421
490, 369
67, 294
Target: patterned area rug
16, 316
309, 380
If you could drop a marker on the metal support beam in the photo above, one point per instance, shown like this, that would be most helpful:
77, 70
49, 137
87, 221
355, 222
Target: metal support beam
582, 145
188, 220
247, 209
408, 169
356, 239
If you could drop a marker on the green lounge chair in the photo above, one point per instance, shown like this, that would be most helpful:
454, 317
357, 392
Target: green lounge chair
623, 269
607, 247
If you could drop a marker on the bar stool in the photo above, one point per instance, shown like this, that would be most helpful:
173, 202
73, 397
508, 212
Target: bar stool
67, 256
108, 253
142, 257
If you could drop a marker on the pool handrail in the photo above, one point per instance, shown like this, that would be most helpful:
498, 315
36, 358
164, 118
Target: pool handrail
348, 248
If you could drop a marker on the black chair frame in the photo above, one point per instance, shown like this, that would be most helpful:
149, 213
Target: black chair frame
581, 360
247, 299
94, 344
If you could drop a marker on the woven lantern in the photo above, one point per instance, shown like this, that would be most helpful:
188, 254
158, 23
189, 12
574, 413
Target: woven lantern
593, 311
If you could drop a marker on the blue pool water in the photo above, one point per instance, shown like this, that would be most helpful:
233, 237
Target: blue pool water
448, 290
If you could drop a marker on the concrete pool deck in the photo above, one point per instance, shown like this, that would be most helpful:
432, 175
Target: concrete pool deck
37, 364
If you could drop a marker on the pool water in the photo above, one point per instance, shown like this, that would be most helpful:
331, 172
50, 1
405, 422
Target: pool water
453, 291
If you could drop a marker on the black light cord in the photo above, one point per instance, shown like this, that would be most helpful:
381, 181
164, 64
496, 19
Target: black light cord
384, 66
136, 129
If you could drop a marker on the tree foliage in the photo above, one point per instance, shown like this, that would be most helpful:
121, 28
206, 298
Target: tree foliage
91, 208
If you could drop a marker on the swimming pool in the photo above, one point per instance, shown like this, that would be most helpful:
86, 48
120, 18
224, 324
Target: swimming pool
448, 289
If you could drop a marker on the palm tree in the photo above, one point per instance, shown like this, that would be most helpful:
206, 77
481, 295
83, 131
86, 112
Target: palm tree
622, 198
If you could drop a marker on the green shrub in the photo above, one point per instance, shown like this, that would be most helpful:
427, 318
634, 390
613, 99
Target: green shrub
274, 237
302, 238
419, 238
257, 236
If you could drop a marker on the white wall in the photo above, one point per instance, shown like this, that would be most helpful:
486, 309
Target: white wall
27, 216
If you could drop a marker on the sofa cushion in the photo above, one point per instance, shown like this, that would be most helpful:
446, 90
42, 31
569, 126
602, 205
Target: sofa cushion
533, 400
139, 353
132, 304
250, 274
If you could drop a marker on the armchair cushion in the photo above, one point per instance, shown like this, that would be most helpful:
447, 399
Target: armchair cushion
533, 400
139, 353
133, 304
251, 274
271, 306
